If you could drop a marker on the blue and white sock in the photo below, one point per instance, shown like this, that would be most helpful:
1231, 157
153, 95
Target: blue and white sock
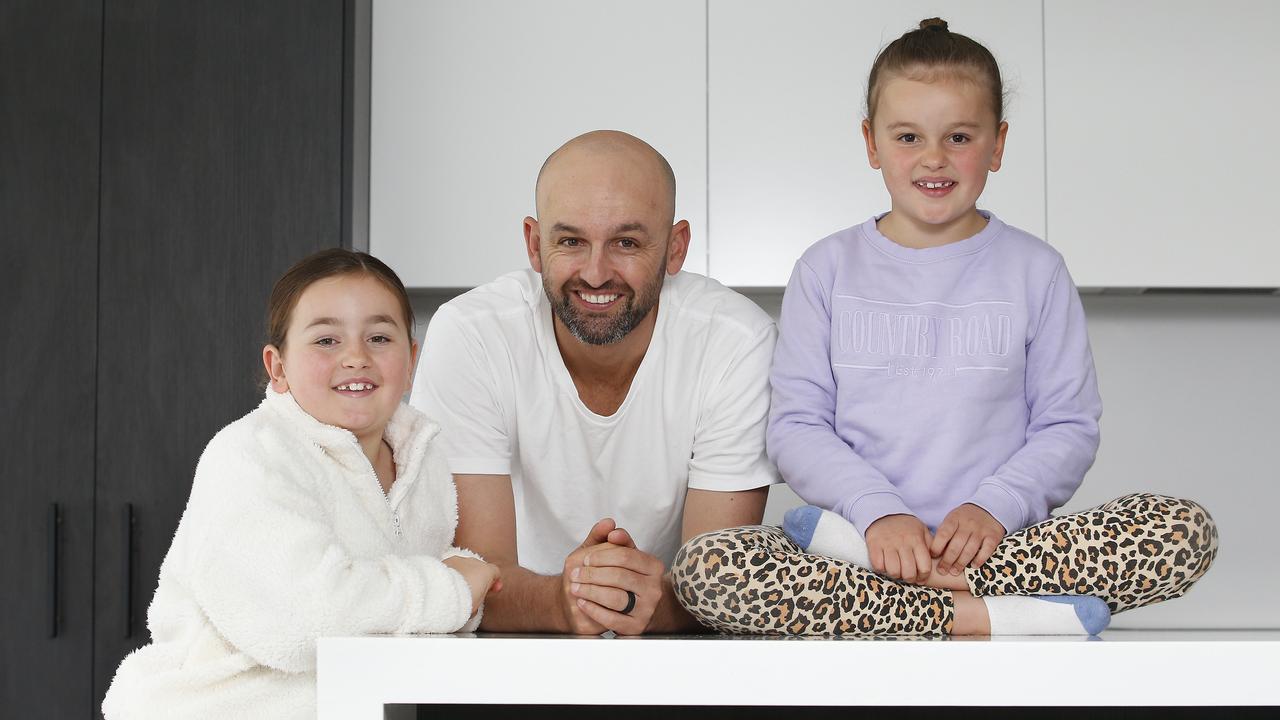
1047, 614
822, 532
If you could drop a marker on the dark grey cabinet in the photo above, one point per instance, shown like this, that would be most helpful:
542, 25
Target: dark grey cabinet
49, 143
160, 164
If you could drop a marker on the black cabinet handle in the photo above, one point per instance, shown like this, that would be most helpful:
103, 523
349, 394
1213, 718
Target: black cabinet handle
54, 520
128, 569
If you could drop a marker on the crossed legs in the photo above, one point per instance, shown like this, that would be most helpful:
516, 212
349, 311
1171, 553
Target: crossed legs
1130, 552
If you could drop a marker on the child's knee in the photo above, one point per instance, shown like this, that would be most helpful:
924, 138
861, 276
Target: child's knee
701, 559
1192, 531
1202, 531
1191, 538
703, 571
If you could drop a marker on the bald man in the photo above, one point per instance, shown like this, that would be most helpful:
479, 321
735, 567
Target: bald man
602, 407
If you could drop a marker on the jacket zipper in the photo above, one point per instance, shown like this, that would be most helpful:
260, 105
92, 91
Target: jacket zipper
386, 497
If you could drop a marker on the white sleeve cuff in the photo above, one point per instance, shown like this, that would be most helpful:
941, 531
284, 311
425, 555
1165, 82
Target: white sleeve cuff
719, 482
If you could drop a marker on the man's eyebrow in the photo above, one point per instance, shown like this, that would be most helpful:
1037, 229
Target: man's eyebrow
630, 228
619, 230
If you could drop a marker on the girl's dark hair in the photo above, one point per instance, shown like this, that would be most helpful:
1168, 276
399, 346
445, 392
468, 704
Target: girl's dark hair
326, 264
930, 50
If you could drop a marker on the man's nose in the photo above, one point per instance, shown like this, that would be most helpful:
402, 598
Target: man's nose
596, 270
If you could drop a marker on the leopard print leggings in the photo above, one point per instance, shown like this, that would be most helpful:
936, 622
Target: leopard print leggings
1133, 551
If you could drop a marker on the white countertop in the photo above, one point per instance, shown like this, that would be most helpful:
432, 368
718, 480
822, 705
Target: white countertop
357, 675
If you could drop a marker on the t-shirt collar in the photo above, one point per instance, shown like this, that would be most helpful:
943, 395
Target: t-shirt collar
966, 246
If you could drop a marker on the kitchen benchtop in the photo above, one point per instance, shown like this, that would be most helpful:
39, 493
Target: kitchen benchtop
358, 675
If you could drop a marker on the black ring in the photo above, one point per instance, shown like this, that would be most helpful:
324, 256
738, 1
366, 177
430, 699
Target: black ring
631, 603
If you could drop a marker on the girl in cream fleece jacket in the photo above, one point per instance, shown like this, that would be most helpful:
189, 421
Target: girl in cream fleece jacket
289, 535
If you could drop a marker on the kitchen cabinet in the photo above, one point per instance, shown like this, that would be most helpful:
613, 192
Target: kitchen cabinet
786, 161
50, 68
1117, 151
469, 97
1158, 141
169, 161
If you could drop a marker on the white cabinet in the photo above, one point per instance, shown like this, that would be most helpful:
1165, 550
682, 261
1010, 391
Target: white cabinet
1162, 140
1139, 144
787, 164
470, 96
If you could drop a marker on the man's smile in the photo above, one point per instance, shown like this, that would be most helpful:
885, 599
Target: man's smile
597, 301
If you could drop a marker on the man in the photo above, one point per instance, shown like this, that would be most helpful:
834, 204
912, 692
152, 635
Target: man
604, 384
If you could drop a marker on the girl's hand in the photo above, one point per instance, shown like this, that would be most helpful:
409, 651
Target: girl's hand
967, 536
481, 577
899, 547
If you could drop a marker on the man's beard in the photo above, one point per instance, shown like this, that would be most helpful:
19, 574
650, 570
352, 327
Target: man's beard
600, 329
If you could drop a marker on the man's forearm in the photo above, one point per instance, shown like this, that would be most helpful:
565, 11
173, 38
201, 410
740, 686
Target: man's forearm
528, 602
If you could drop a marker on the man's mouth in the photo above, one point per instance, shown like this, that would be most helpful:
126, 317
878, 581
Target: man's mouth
597, 300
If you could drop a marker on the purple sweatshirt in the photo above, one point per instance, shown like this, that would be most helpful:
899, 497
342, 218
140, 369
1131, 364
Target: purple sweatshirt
914, 381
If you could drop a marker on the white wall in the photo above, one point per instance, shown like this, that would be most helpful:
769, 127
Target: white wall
1191, 408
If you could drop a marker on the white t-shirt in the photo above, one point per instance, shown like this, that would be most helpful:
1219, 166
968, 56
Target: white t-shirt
694, 417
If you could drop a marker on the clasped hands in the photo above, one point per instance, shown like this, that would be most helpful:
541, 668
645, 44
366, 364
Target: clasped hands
901, 546
597, 577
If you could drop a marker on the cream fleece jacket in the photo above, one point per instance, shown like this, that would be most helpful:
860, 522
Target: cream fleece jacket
288, 537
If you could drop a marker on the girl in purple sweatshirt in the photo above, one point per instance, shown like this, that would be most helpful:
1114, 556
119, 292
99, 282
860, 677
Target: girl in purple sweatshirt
934, 398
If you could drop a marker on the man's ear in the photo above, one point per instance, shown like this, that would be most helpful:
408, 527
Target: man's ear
869, 137
998, 156
533, 243
677, 246
273, 360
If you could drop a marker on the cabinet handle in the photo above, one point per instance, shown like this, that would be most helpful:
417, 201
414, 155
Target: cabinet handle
128, 569
55, 519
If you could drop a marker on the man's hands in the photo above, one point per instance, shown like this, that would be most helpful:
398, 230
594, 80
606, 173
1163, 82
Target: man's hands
609, 572
579, 623
967, 536
482, 577
598, 575
899, 547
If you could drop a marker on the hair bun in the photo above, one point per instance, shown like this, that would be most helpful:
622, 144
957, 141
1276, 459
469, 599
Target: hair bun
935, 24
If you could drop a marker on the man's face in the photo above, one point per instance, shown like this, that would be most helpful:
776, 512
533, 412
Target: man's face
602, 243
602, 315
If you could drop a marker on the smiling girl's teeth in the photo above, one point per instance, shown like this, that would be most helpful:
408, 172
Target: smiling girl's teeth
598, 299
935, 185
356, 387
